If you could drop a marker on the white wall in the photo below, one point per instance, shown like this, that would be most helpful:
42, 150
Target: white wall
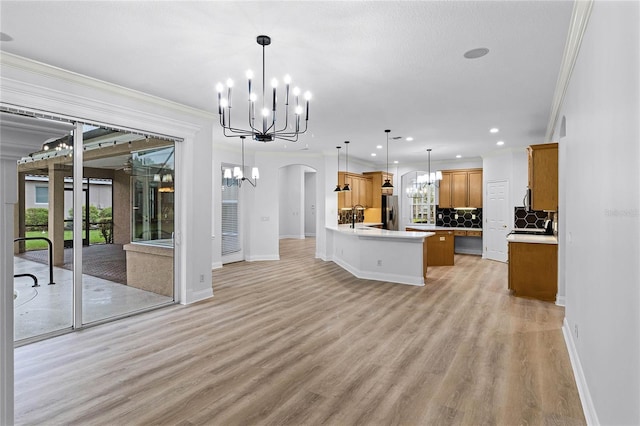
599, 229
292, 189
310, 212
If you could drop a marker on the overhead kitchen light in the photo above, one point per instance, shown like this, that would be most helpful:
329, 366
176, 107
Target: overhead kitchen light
338, 185
238, 173
419, 187
387, 182
267, 132
500, 143
494, 130
346, 170
435, 177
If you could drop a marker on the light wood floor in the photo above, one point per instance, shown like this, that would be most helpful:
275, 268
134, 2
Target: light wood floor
301, 341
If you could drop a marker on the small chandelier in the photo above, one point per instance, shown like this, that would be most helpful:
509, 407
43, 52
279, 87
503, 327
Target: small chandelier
432, 178
419, 187
267, 131
238, 172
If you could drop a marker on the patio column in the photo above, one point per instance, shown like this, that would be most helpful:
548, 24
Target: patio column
56, 212
19, 228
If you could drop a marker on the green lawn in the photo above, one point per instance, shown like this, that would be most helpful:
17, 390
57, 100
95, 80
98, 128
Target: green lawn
95, 237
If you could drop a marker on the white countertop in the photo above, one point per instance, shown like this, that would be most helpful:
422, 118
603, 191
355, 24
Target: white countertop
428, 227
363, 231
529, 238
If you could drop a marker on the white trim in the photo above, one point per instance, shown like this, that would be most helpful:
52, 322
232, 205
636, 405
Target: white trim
560, 300
379, 276
198, 295
579, 18
294, 237
588, 408
8, 199
216, 265
263, 257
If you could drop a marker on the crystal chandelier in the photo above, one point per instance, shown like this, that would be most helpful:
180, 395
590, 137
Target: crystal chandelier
420, 186
266, 131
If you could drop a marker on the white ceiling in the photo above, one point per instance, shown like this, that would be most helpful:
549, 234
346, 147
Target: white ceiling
370, 65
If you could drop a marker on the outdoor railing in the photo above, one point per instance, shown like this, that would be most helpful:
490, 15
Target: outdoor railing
50, 257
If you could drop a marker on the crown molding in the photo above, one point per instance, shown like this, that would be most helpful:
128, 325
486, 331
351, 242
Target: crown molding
579, 19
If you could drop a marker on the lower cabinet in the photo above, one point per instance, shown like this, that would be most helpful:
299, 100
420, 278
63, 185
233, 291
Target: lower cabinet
533, 270
439, 248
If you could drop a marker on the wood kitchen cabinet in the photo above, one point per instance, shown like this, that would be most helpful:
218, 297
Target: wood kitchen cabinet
440, 247
543, 176
444, 196
533, 270
460, 188
463, 233
360, 190
377, 179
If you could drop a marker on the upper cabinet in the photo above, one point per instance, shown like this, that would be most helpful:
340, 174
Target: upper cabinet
461, 188
360, 193
377, 179
543, 176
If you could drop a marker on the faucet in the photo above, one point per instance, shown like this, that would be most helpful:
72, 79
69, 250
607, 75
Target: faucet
353, 215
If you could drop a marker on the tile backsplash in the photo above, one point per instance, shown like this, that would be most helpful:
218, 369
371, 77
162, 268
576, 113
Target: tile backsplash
529, 219
456, 218
344, 216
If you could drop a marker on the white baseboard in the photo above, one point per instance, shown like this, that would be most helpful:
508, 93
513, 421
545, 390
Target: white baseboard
216, 265
590, 414
560, 300
198, 295
378, 276
261, 258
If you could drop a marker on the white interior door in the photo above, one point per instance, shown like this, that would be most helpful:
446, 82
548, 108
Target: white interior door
497, 219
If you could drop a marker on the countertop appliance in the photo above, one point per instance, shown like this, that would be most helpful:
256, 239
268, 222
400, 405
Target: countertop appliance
390, 212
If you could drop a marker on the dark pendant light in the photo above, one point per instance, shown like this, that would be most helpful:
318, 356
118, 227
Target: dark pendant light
338, 185
387, 182
346, 185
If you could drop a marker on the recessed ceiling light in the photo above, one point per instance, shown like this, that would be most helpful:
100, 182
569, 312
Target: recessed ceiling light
458, 156
409, 139
494, 130
395, 161
500, 143
379, 146
373, 154
476, 53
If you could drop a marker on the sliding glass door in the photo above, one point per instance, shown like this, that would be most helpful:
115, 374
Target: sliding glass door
120, 201
128, 265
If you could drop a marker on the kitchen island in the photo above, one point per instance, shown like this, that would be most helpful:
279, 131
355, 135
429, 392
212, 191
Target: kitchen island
379, 254
450, 240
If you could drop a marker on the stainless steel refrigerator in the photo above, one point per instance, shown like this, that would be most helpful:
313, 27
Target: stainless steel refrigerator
390, 213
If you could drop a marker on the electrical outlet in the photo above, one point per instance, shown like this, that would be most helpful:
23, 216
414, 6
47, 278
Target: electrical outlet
201, 278
473, 216
576, 330
379, 262
455, 216
440, 216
